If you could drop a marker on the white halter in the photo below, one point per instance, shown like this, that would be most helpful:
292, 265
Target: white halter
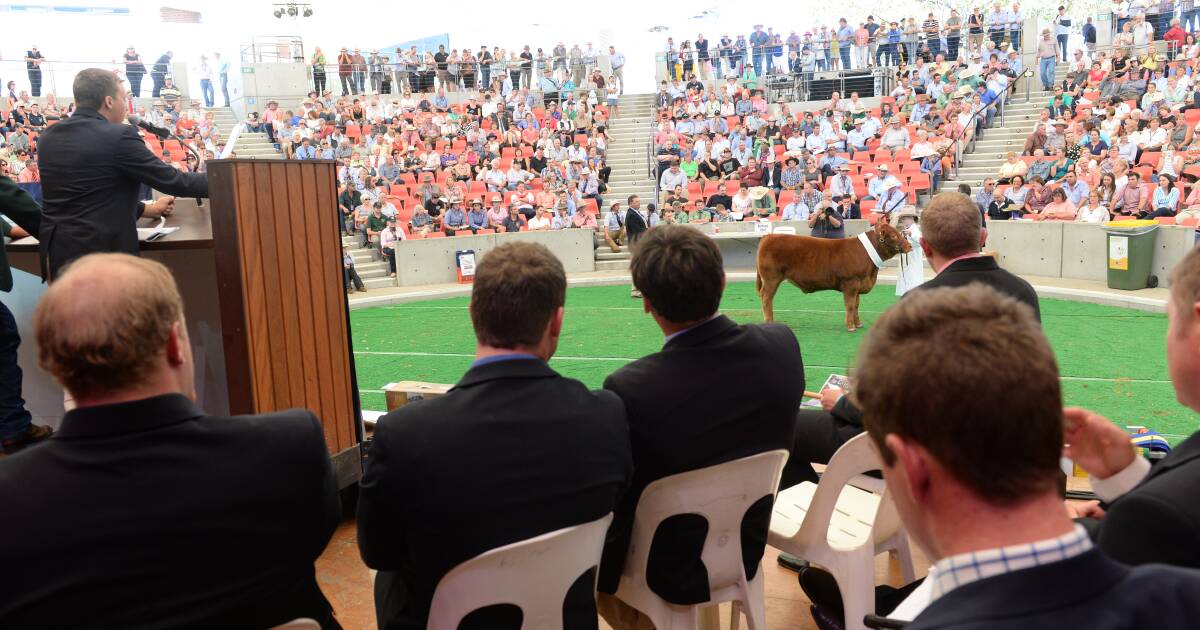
866, 243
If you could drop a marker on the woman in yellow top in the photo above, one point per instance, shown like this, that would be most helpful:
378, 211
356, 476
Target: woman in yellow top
318, 72
1011, 168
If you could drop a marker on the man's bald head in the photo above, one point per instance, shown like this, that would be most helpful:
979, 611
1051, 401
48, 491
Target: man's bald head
951, 225
109, 323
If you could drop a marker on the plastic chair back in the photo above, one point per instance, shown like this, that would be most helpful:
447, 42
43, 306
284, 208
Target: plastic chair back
533, 575
721, 494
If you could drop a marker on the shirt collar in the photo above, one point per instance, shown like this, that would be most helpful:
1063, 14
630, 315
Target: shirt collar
690, 328
965, 568
496, 358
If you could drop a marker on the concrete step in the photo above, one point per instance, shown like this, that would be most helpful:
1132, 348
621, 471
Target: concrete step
612, 265
604, 253
379, 283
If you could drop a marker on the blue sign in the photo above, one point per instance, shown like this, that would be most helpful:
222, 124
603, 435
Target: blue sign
425, 44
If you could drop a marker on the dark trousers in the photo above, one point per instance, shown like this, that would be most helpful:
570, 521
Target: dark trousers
135, 83
157, 78
390, 256
350, 275
14, 418
35, 82
1014, 37
347, 84
818, 436
951, 47
1062, 46
318, 82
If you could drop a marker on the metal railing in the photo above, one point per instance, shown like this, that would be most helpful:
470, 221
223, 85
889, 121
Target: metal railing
274, 48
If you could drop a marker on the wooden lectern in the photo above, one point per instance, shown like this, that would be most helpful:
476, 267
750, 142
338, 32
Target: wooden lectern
260, 270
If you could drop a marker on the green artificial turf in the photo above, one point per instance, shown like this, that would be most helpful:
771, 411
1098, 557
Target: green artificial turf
1112, 359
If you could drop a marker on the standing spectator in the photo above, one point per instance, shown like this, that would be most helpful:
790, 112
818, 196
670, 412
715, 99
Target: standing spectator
387, 244
1047, 58
158, 72
318, 70
758, 48
17, 430
617, 61
33, 64
205, 74
360, 71
952, 29
134, 71
1062, 30
1016, 22
1089, 34
223, 75
346, 71
932, 32
349, 275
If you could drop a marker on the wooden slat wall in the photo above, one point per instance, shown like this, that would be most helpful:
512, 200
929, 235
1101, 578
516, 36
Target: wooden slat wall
283, 311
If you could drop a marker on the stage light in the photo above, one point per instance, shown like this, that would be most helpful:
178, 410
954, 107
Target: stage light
292, 10
307, 11
278, 13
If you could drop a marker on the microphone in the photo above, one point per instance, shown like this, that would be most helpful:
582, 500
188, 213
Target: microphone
138, 121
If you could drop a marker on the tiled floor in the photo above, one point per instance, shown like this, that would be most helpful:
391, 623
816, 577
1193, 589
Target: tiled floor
347, 584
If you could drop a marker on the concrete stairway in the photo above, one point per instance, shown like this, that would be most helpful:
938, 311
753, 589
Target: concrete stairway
993, 144
249, 145
629, 136
374, 273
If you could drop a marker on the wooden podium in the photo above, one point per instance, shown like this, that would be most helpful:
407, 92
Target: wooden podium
260, 270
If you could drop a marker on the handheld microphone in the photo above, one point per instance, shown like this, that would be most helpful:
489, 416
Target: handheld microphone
138, 121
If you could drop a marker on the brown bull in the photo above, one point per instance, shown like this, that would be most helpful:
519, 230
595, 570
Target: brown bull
820, 264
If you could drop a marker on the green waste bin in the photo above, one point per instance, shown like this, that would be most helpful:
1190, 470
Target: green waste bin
1130, 254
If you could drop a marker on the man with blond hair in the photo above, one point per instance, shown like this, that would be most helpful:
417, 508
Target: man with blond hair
979, 491
141, 510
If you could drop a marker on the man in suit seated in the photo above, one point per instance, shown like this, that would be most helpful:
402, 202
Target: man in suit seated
142, 511
1153, 513
980, 493
950, 238
679, 424
513, 451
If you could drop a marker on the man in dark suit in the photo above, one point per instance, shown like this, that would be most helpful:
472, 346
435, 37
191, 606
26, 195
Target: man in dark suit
680, 424
16, 425
981, 494
141, 511
93, 167
951, 237
1152, 513
637, 221
513, 451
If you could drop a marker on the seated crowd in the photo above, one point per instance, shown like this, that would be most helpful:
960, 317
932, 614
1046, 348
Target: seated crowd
1116, 139
527, 451
727, 148
194, 125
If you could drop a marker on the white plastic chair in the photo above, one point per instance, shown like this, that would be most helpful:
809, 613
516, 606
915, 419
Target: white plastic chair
533, 575
842, 527
303, 623
784, 229
721, 494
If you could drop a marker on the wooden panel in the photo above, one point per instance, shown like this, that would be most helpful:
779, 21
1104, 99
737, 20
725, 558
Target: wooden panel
284, 308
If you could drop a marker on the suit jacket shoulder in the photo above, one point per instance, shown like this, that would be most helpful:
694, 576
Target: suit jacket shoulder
1157, 521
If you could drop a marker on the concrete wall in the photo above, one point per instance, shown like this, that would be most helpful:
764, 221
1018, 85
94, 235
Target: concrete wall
1075, 250
432, 261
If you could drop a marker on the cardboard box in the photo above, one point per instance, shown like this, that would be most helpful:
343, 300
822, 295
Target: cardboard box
404, 392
